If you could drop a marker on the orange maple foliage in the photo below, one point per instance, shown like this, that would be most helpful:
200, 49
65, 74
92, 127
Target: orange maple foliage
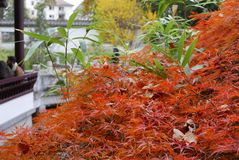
117, 113
219, 29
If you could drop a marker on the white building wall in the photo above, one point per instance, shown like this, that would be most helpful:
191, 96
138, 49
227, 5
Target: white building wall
51, 12
17, 112
68, 11
54, 12
30, 5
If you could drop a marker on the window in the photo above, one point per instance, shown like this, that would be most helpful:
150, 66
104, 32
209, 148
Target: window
61, 16
33, 13
51, 7
7, 36
51, 16
61, 8
32, 3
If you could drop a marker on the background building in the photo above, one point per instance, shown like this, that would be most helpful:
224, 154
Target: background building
60, 10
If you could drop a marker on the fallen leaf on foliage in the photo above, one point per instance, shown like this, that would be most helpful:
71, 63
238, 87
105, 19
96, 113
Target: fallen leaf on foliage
178, 135
149, 94
128, 80
189, 136
110, 104
223, 108
150, 86
190, 125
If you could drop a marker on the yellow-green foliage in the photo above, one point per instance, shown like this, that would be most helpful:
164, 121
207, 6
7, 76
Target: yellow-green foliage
88, 6
5, 53
118, 20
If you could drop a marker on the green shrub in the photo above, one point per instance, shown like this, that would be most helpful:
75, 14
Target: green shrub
5, 53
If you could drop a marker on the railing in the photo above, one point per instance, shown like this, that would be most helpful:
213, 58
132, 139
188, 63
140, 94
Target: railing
11, 88
52, 23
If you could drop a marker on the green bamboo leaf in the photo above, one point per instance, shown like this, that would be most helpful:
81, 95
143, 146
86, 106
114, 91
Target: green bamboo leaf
86, 38
162, 9
32, 50
158, 65
159, 49
44, 38
172, 53
56, 41
142, 65
160, 27
72, 19
35, 35
181, 46
163, 5
150, 68
62, 32
161, 72
189, 52
169, 26
79, 55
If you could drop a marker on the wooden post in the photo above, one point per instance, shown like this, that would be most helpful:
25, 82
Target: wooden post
19, 24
